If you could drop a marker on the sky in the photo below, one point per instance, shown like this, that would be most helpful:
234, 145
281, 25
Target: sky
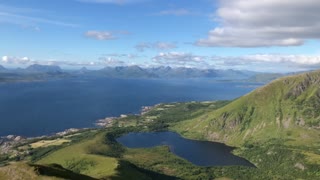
264, 35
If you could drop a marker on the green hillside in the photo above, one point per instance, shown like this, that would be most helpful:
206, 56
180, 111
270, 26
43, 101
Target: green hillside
287, 108
20, 170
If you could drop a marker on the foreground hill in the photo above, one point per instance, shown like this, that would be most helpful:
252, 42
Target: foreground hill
286, 108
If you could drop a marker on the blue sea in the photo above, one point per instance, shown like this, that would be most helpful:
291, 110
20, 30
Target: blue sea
41, 108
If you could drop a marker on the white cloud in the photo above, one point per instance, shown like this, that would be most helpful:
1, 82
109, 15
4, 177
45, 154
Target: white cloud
118, 2
5, 58
178, 59
164, 45
28, 17
257, 62
175, 12
303, 60
100, 35
28, 61
156, 46
268, 62
122, 55
143, 46
252, 23
15, 60
110, 61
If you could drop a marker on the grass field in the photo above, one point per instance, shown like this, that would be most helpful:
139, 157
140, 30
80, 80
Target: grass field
21, 171
77, 158
46, 143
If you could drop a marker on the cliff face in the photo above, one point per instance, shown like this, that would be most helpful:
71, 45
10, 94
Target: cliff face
288, 107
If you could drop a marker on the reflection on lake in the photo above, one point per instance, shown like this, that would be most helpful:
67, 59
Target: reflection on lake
201, 153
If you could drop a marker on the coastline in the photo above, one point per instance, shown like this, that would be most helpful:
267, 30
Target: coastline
108, 121
8, 142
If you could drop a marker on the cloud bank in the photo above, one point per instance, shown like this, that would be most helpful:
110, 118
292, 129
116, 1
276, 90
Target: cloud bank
175, 12
117, 2
271, 62
100, 35
29, 17
155, 46
252, 23
180, 59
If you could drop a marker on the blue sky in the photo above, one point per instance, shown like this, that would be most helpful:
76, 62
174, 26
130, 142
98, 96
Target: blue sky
255, 35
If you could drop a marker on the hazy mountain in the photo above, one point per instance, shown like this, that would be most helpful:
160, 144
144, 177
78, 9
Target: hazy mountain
2, 68
154, 72
182, 72
286, 108
33, 73
84, 69
235, 74
265, 77
43, 68
169, 72
125, 72
161, 70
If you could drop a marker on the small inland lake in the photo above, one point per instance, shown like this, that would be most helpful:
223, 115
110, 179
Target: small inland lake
201, 153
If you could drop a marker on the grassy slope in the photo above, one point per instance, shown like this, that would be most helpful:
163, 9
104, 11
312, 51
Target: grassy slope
276, 127
90, 157
21, 171
286, 108
77, 157
46, 143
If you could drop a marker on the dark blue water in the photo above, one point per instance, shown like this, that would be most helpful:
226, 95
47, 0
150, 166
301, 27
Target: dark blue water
38, 108
201, 153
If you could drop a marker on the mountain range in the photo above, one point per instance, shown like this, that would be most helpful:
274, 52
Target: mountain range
169, 72
165, 72
36, 68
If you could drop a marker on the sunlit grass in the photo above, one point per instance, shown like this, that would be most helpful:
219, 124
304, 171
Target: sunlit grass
46, 143
77, 157
21, 171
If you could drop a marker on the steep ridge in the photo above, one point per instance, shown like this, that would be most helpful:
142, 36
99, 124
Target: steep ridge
2, 68
287, 108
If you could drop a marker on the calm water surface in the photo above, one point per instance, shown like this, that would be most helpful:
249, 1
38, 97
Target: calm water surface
201, 153
38, 108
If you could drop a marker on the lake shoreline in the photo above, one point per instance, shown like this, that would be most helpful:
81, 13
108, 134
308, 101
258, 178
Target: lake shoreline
200, 153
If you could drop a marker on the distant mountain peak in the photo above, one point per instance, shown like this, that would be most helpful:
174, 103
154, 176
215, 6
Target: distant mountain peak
44, 68
84, 69
2, 68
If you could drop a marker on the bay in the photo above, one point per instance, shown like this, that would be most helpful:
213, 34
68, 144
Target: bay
41, 108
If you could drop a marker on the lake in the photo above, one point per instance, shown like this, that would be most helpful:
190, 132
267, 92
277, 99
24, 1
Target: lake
40, 108
201, 153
